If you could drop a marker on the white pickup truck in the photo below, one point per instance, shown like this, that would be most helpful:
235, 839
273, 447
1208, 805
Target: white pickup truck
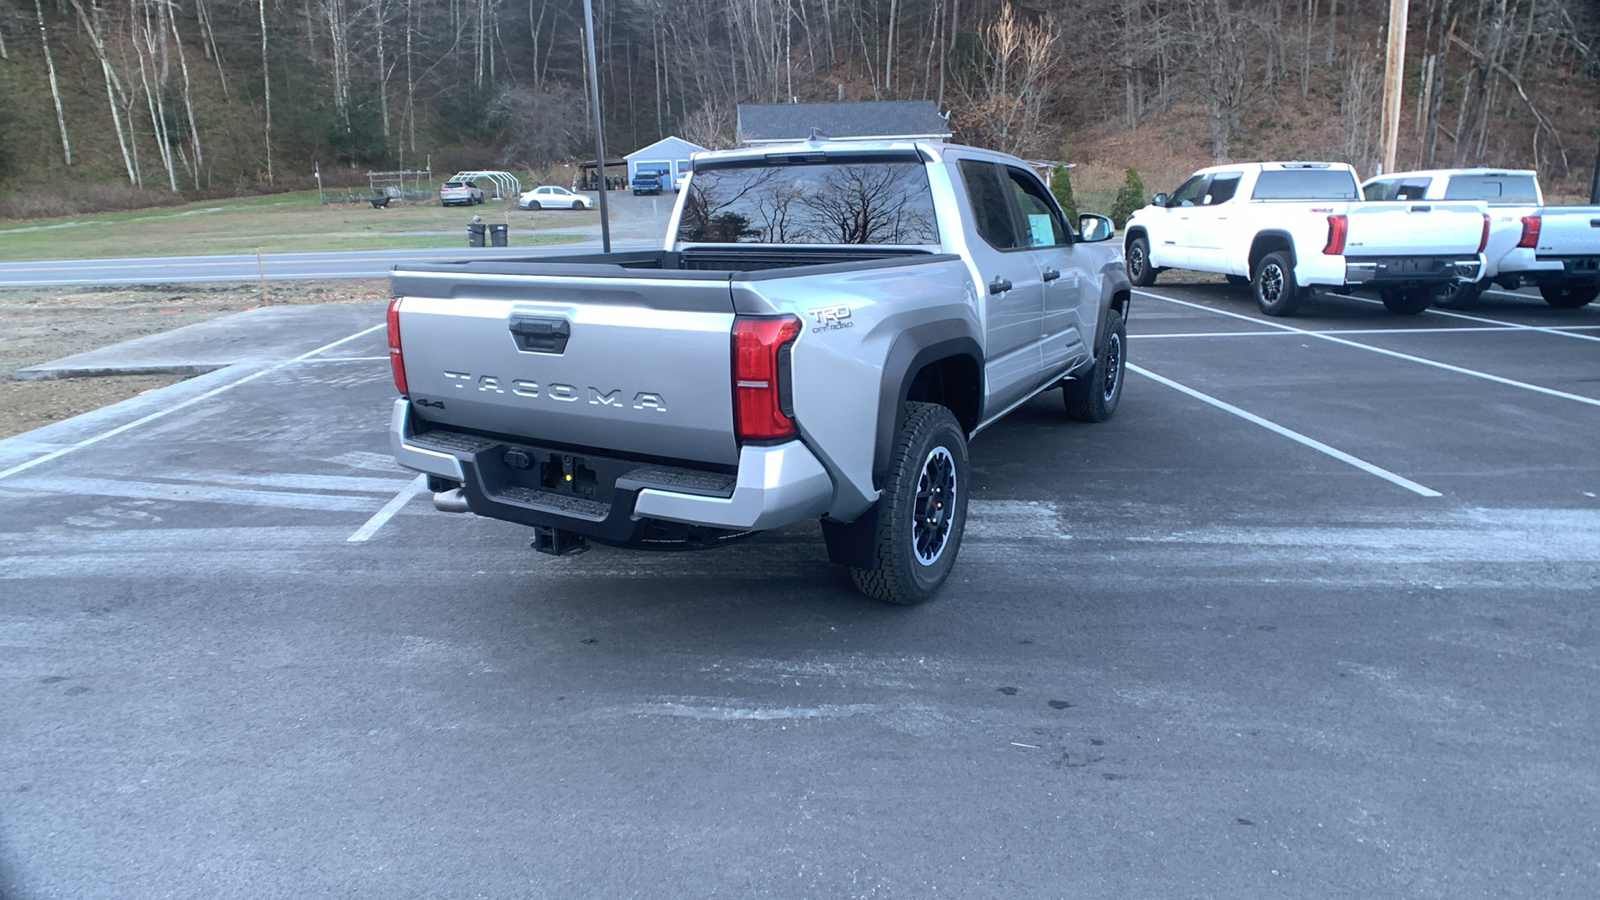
1554, 247
1286, 227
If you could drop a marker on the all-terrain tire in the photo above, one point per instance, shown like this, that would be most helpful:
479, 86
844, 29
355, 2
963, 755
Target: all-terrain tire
1274, 286
923, 509
1456, 295
1137, 262
1094, 397
1568, 296
1406, 301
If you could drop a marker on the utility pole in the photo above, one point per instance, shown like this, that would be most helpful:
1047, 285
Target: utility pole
599, 133
1393, 73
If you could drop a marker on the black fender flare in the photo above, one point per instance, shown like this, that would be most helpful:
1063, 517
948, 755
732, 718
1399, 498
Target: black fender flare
912, 350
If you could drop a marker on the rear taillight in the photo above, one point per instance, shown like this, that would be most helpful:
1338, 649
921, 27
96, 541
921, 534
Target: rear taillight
1483, 239
1338, 227
397, 362
1530, 231
761, 405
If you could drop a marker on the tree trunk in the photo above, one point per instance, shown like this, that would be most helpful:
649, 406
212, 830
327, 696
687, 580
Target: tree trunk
55, 87
188, 99
112, 89
266, 86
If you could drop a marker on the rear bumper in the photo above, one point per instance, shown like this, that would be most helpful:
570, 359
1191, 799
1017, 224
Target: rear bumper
1412, 269
1574, 269
614, 499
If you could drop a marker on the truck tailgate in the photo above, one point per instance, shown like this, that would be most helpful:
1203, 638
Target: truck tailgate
633, 362
1415, 228
1569, 231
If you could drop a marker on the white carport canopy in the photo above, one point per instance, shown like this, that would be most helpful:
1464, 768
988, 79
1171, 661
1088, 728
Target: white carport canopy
505, 183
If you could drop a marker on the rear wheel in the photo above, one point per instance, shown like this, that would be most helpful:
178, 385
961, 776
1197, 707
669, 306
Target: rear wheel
1094, 397
1456, 295
922, 511
1275, 288
1568, 296
1406, 301
1137, 262
534, 204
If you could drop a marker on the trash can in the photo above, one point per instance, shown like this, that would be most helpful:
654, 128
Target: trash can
497, 236
475, 234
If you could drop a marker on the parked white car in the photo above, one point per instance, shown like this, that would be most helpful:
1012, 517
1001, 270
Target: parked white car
1554, 247
458, 192
552, 197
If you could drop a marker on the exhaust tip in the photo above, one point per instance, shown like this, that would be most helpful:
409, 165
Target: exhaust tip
451, 501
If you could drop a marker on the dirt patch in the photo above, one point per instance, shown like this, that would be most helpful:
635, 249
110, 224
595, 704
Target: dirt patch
40, 325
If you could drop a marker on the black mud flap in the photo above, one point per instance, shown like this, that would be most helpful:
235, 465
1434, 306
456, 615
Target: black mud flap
853, 544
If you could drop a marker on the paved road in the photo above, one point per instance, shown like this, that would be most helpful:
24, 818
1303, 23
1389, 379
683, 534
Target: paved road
637, 223
1314, 616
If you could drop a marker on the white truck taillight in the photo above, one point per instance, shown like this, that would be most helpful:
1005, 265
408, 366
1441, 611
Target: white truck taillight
1338, 228
397, 362
761, 405
1483, 239
1530, 231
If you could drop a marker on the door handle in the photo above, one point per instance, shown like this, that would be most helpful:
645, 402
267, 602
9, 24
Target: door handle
1051, 275
999, 286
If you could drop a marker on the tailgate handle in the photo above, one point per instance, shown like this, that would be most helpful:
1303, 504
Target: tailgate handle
538, 334
1421, 209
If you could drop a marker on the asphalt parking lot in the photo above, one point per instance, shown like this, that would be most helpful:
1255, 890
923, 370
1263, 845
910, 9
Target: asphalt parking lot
1313, 616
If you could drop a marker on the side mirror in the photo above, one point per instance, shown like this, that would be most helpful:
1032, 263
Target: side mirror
1095, 228
1158, 200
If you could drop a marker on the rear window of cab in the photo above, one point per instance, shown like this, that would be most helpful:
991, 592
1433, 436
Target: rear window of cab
1306, 184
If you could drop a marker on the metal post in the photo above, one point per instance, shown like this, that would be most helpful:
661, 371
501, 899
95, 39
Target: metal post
1393, 73
1594, 180
599, 132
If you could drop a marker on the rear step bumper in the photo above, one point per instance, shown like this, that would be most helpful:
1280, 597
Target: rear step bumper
614, 499
1392, 269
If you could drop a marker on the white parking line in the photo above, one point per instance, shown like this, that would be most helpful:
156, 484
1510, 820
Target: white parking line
1543, 329
1205, 334
382, 516
1420, 360
1291, 434
54, 454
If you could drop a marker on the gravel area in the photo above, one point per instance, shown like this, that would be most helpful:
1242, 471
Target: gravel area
40, 325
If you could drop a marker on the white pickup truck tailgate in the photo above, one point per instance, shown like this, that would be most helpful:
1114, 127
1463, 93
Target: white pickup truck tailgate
1415, 228
1569, 231
637, 363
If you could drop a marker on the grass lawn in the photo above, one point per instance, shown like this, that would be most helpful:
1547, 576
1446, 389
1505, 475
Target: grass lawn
277, 223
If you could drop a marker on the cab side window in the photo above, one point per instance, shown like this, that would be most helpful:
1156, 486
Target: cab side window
1223, 187
1413, 189
1190, 192
991, 213
1041, 220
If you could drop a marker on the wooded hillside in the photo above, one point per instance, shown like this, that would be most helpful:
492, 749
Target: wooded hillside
202, 96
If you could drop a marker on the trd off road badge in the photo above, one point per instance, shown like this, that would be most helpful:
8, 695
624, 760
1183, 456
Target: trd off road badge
830, 318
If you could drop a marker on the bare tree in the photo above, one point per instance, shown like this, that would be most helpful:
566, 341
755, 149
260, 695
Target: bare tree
266, 85
55, 87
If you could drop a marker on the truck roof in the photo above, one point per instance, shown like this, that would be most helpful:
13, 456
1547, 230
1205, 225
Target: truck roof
1264, 166
1436, 173
931, 150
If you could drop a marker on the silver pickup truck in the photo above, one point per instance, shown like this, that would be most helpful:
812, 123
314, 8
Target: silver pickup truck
828, 325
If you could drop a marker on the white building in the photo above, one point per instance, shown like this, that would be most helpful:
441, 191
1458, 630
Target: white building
669, 155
